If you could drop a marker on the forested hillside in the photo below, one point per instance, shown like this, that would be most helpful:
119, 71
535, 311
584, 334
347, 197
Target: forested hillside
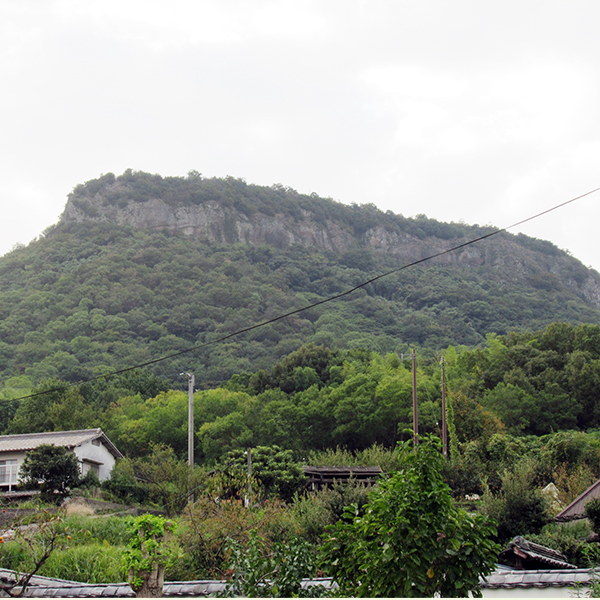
141, 266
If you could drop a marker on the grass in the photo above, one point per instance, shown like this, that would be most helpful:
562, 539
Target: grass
86, 530
93, 563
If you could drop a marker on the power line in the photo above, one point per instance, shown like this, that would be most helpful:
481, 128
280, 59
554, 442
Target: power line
314, 304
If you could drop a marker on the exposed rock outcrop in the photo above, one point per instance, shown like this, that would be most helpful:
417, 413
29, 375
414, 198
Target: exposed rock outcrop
213, 221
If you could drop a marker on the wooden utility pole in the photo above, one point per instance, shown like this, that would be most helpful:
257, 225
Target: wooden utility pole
444, 423
248, 502
413, 355
191, 382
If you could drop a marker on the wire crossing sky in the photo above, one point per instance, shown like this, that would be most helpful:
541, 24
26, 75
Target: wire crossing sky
320, 302
461, 110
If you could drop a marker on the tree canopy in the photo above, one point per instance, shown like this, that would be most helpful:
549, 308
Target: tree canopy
410, 539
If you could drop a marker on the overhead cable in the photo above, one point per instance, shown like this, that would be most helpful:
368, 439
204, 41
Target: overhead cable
314, 304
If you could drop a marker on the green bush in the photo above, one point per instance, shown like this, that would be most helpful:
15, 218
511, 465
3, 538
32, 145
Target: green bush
276, 572
592, 512
314, 511
207, 525
569, 538
122, 485
519, 507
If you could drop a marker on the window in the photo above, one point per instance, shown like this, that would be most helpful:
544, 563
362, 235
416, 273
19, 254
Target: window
8, 472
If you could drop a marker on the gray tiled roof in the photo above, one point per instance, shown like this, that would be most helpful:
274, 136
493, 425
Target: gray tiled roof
47, 587
534, 552
68, 439
538, 579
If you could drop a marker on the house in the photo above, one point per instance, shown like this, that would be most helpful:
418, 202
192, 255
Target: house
522, 554
576, 510
94, 451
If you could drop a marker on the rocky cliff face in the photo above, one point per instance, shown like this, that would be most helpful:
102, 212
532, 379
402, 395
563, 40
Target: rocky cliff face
212, 221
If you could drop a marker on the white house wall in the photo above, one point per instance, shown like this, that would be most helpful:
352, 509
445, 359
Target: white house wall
99, 454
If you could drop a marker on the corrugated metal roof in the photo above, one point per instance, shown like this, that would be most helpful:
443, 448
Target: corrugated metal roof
576, 509
68, 439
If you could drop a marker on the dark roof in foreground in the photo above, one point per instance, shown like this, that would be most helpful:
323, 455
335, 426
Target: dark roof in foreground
68, 439
576, 509
530, 551
47, 587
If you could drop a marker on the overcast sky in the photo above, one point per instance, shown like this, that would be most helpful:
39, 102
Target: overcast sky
478, 111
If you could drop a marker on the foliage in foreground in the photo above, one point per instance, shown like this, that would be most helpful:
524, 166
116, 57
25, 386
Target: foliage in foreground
31, 547
278, 573
411, 540
148, 554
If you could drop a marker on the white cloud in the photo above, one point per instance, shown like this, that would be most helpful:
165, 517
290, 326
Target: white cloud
161, 25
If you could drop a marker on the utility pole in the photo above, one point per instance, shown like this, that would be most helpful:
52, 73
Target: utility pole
248, 502
413, 356
191, 382
444, 423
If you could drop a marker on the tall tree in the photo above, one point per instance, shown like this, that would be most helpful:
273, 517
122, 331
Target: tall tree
411, 540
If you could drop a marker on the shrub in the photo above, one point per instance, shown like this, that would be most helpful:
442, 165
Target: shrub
314, 511
207, 525
519, 508
276, 573
569, 538
592, 512
123, 485
411, 540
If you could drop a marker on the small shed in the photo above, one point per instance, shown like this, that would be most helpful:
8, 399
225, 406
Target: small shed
323, 477
94, 451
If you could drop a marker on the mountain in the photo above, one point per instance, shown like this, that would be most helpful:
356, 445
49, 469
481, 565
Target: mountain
140, 266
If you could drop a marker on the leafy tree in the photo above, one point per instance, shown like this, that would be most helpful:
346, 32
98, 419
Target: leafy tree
519, 507
274, 469
53, 469
411, 540
170, 481
148, 554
